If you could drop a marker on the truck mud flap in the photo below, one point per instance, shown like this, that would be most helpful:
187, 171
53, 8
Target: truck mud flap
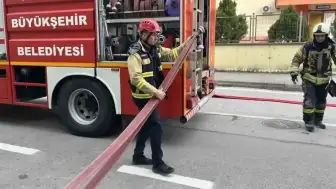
184, 119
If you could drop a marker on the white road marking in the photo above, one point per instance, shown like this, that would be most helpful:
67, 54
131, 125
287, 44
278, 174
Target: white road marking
258, 117
257, 90
18, 149
187, 181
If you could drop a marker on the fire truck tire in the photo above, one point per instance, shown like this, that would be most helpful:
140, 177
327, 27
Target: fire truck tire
86, 108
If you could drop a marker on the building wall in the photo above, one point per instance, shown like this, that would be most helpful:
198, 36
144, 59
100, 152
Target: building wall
255, 57
265, 57
313, 7
249, 7
257, 21
256, 6
317, 16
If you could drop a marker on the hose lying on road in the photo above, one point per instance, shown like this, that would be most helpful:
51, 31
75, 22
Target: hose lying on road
262, 99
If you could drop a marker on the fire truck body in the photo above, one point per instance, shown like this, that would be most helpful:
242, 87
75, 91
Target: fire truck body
70, 56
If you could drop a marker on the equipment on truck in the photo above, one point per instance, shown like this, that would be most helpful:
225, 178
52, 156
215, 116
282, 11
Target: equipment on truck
73, 60
141, 9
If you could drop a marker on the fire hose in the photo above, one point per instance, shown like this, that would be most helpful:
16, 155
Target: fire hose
262, 99
97, 170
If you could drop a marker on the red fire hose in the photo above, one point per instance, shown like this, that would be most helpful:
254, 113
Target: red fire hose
262, 99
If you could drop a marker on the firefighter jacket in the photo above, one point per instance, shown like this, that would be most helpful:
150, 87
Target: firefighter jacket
145, 68
316, 62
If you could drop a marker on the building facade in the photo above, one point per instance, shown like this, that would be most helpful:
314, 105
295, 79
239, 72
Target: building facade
262, 14
316, 10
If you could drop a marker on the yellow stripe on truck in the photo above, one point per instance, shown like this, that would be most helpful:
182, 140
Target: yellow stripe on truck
76, 64
4, 63
54, 64
123, 65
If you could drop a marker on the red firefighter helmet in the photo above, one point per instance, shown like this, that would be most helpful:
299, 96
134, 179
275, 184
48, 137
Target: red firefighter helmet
149, 25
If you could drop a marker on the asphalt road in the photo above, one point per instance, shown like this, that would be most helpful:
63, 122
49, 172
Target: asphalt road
264, 109
231, 144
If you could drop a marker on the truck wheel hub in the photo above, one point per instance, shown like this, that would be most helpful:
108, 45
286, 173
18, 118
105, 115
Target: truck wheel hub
83, 106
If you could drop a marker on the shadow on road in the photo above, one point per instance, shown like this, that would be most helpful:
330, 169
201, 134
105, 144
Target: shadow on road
19, 116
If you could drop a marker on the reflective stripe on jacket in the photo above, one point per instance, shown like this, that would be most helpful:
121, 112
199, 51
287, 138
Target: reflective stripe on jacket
145, 68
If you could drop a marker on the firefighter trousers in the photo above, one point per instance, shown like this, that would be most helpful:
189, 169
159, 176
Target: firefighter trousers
314, 101
152, 129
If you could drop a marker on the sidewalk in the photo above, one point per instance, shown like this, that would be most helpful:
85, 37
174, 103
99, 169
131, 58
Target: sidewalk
272, 81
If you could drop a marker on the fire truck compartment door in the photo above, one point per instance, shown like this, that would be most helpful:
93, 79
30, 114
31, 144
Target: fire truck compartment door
4, 65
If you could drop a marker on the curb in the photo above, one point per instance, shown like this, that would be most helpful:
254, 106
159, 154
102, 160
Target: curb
268, 86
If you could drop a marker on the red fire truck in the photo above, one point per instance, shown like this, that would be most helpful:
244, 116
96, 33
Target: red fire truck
71, 56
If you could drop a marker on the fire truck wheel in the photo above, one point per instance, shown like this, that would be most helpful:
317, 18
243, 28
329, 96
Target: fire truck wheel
86, 108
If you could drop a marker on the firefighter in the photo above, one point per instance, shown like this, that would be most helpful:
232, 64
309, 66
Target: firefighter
145, 71
316, 70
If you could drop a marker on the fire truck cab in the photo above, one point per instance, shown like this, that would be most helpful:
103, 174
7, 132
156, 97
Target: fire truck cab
71, 57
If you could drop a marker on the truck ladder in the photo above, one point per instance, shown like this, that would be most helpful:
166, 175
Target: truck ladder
107, 53
197, 49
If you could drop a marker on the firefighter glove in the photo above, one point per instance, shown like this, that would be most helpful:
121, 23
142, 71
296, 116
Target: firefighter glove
294, 76
331, 88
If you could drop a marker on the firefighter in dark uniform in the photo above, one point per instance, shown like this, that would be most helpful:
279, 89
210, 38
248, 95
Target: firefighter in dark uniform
316, 72
145, 71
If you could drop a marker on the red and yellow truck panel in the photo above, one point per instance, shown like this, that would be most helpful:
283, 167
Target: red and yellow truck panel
47, 44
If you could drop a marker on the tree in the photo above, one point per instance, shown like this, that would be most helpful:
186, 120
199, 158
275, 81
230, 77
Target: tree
230, 27
333, 29
286, 28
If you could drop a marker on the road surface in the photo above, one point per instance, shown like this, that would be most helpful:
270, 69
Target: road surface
264, 109
229, 144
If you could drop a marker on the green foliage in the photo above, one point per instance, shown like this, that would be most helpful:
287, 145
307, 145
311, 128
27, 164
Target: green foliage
230, 27
286, 28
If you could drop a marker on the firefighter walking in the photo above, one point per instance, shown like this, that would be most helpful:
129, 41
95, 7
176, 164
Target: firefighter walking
316, 72
145, 71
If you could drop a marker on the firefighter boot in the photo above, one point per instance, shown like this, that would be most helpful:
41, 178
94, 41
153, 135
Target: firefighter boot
163, 169
308, 118
318, 120
309, 127
141, 160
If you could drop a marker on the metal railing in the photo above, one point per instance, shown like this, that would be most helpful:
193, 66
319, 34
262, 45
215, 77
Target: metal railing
262, 29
